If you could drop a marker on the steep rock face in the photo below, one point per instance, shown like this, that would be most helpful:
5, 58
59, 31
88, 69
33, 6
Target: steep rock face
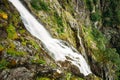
77, 22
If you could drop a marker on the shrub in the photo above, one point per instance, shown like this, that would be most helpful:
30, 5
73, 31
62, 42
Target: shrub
95, 1
95, 16
12, 52
58, 19
39, 5
11, 32
89, 5
3, 64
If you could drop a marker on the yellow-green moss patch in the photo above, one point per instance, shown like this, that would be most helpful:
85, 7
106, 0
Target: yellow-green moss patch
12, 34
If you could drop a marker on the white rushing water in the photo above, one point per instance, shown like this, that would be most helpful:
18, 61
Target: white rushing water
57, 49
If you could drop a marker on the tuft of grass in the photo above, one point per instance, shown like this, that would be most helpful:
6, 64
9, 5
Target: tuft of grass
68, 76
95, 16
58, 19
12, 34
12, 52
43, 78
3, 64
39, 5
36, 59
1, 48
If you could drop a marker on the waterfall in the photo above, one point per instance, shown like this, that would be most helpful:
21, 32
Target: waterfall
58, 50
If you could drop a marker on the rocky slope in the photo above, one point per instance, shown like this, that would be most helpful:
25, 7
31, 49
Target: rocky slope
78, 22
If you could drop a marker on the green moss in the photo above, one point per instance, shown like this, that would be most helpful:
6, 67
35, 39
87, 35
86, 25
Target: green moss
99, 49
36, 46
36, 59
43, 78
89, 5
1, 25
13, 52
3, 64
39, 5
22, 31
58, 19
1, 48
11, 32
95, 16
68, 76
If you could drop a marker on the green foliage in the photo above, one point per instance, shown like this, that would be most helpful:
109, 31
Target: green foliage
11, 32
1, 47
89, 5
42, 78
95, 16
36, 59
58, 19
1, 25
102, 53
111, 15
59, 22
68, 76
39, 5
3, 64
99, 38
12, 52
95, 1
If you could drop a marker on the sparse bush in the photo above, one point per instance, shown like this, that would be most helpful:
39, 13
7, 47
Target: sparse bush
3, 64
95, 16
39, 5
89, 5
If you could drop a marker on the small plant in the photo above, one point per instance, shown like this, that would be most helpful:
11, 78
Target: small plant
3, 64
11, 32
42, 78
68, 76
58, 19
12, 52
39, 5
1, 48
95, 16
37, 60
89, 5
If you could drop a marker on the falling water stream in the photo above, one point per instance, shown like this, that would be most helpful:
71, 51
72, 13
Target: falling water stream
57, 48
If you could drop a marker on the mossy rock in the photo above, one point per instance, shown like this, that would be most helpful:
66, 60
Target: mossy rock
12, 34
13, 52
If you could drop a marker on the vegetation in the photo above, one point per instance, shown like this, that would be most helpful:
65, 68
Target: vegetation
89, 5
36, 59
1, 48
13, 52
98, 44
95, 16
11, 32
111, 14
39, 5
43, 78
3, 64
68, 76
3, 15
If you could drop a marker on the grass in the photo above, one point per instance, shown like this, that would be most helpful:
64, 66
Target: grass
1, 48
95, 16
39, 5
3, 64
36, 59
13, 52
11, 31
42, 78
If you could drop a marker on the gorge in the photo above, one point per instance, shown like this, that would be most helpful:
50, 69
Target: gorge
59, 40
